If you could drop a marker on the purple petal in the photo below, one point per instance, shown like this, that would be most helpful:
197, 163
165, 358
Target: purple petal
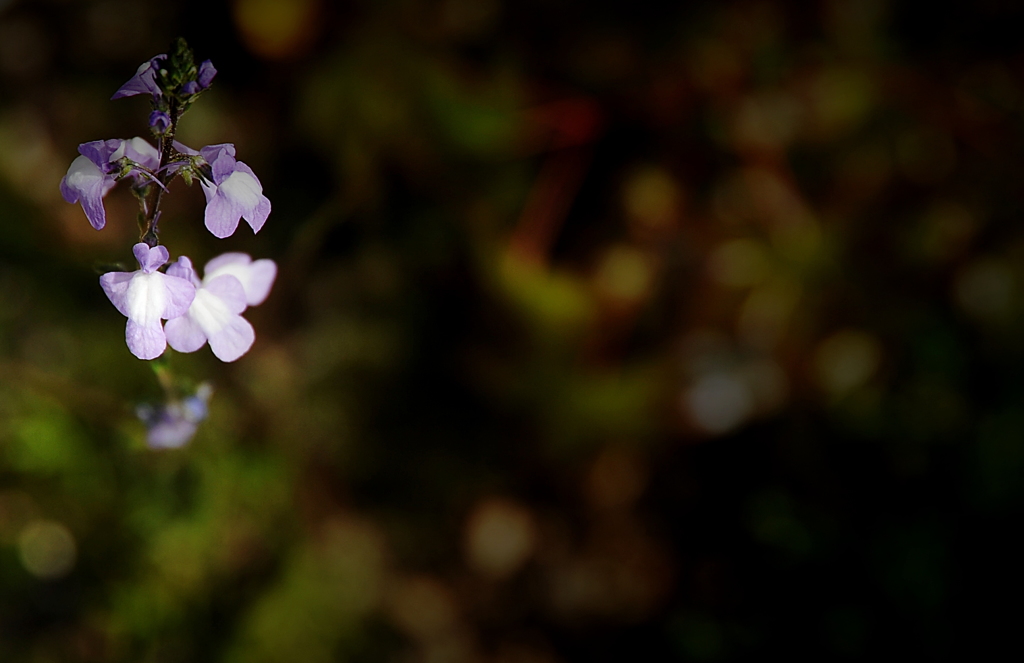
221, 159
222, 216
206, 73
141, 251
183, 269
261, 279
258, 216
184, 334
212, 152
233, 340
144, 80
223, 167
229, 290
115, 285
99, 151
208, 191
150, 259
145, 342
85, 182
70, 195
159, 122
92, 203
243, 190
180, 294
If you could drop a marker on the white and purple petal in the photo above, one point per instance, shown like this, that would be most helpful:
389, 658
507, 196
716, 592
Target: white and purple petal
222, 214
99, 151
115, 285
228, 290
180, 294
145, 297
86, 183
182, 268
256, 277
215, 313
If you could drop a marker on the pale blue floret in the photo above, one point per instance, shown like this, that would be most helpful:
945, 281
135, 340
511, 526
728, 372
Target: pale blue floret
174, 424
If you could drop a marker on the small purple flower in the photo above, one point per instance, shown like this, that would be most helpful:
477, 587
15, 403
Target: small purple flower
159, 122
173, 424
90, 176
232, 281
145, 296
235, 193
144, 80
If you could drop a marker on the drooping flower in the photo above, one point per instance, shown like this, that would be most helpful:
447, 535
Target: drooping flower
86, 182
234, 193
92, 174
173, 424
232, 282
144, 80
146, 296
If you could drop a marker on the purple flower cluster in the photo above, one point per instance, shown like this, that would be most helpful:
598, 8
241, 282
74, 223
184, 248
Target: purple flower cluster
170, 303
197, 311
145, 80
234, 192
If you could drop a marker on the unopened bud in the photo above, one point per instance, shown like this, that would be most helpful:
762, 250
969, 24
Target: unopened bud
159, 122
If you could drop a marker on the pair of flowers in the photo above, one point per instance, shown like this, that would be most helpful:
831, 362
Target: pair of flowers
197, 311
232, 190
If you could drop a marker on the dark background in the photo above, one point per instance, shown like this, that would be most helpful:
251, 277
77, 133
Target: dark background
603, 331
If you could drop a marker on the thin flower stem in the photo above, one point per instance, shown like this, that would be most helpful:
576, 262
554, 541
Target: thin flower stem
150, 231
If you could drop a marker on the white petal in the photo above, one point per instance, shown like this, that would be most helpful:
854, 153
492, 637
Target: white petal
146, 298
148, 154
83, 174
242, 189
256, 277
210, 312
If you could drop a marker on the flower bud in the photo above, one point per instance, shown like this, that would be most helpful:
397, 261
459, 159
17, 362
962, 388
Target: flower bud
159, 122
